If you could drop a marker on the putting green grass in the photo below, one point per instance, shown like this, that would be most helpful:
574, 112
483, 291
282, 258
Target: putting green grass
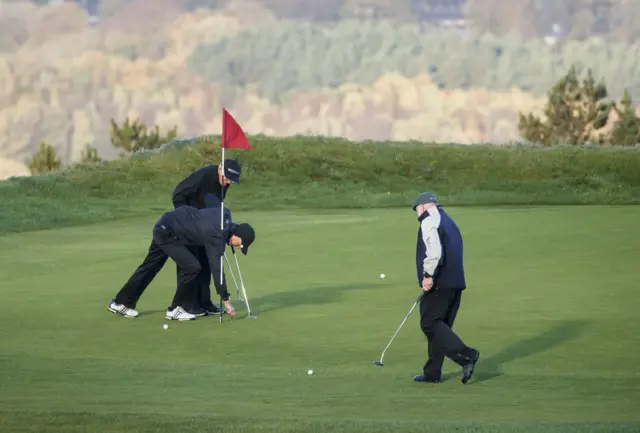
552, 305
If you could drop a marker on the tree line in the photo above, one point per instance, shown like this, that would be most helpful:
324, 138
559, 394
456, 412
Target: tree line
291, 57
578, 111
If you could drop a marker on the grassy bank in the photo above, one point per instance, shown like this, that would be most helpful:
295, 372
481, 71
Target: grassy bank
327, 173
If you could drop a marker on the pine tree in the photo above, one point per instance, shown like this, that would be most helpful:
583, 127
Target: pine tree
89, 154
45, 160
575, 113
135, 136
626, 131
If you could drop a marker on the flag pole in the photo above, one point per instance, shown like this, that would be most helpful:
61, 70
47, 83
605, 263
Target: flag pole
222, 211
233, 137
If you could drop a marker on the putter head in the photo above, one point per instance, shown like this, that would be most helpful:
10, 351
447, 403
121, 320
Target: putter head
240, 300
378, 363
252, 317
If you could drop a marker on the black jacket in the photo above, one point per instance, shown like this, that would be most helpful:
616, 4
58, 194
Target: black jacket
189, 226
192, 190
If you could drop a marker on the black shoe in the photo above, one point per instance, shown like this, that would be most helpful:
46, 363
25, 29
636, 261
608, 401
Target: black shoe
212, 310
467, 369
422, 378
197, 311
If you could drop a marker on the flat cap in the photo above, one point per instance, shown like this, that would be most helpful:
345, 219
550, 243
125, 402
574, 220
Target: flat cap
245, 232
424, 198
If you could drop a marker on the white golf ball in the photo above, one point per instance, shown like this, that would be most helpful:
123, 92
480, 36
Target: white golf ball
165, 326
310, 372
381, 275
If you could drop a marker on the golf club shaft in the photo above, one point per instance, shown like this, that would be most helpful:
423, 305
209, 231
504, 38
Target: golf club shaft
244, 292
232, 275
401, 325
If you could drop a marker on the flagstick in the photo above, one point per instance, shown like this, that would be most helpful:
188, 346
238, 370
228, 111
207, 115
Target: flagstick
238, 140
222, 216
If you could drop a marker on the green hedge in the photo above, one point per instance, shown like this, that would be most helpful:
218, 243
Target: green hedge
302, 56
312, 173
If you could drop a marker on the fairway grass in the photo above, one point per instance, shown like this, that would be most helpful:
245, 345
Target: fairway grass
552, 305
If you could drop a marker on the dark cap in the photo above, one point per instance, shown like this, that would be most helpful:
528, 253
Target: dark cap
232, 170
424, 198
245, 232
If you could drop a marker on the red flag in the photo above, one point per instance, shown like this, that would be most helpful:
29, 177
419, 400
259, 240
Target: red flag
232, 135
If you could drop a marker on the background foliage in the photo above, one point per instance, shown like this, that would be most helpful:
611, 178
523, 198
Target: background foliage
294, 57
579, 112
360, 69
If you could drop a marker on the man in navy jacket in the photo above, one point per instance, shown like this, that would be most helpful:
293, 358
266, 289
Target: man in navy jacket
440, 268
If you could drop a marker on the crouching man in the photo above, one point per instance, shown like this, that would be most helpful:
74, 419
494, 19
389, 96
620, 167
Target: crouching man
173, 234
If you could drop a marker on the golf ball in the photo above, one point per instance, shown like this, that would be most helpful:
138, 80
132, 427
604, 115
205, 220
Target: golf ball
381, 275
165, 326
310, 372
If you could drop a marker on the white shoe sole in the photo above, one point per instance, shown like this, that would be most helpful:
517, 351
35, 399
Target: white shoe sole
180, 320
120, 314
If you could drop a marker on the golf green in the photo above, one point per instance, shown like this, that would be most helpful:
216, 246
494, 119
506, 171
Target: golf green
551, 304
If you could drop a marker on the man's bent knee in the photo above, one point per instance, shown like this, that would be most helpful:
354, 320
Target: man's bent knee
192, 268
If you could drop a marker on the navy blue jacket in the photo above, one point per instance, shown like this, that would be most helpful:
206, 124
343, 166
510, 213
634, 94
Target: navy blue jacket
439, 250
190, 226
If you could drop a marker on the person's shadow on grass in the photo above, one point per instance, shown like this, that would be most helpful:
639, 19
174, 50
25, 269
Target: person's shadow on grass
309, 296
490, 367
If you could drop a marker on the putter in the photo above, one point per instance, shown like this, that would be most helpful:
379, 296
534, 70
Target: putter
379, 362
234, 278
221, 308
244, 292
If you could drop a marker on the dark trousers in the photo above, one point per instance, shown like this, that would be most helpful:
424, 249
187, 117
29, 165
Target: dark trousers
438, 310
162, 247
202, 294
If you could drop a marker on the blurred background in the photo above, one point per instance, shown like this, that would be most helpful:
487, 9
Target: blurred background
431, 70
